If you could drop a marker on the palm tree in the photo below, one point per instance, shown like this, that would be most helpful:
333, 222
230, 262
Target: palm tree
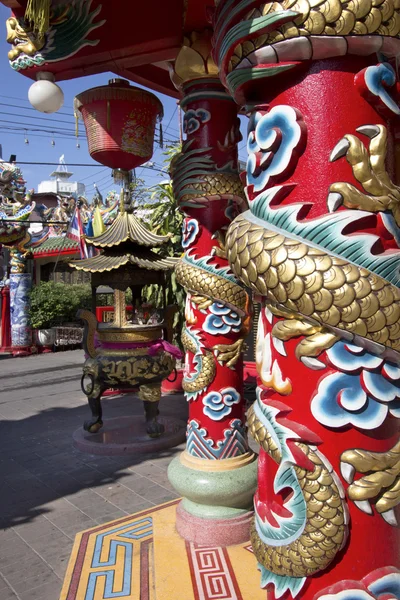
165, 218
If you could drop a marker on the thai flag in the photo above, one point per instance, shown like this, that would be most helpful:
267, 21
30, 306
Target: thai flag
75, 232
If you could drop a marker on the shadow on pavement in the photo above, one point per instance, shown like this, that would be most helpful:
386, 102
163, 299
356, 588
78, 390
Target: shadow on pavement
39, 465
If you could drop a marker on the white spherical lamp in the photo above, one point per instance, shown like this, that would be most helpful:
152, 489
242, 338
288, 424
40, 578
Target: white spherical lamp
45, 95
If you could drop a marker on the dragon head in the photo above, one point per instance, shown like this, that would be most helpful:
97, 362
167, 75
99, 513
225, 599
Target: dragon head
22, 39
71, 22
12, 185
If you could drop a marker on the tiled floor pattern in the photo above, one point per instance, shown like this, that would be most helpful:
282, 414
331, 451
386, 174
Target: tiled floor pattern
141, 557
49, 491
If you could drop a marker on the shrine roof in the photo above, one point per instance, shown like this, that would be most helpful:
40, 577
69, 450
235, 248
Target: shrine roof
144, 260
54, 244
126, 227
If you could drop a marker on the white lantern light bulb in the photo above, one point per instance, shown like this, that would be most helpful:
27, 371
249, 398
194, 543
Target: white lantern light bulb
45, 95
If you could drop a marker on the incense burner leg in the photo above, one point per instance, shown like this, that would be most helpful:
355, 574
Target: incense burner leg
150, 394
93, 425
216, 474
93, 389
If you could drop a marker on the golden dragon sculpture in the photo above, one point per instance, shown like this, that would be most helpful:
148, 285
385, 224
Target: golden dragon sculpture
324, 299
326, 517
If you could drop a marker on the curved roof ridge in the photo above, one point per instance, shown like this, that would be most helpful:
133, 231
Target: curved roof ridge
127, 227
140, 232
100, 263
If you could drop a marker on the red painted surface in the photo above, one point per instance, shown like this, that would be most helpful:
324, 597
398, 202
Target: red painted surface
144, 34
120, 122
372, 542
214, 216
327, 121
5, 320
71, 253
173, 384
331, 99
331, 106
20, 351
102, 310
249, 371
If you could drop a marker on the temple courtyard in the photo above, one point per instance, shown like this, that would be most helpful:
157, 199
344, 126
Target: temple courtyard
49, 490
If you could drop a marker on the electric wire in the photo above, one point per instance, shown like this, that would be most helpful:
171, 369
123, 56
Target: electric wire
54, 164
49, 128
89, 176
72, 122
30, 107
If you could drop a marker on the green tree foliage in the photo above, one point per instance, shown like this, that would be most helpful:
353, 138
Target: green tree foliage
56, 303
166, 218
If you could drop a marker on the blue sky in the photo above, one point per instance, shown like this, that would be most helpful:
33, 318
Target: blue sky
15, 113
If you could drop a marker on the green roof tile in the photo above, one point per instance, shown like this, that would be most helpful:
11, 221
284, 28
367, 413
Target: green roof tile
55, 244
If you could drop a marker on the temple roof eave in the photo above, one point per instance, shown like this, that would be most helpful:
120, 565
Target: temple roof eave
127, 227
99, 263
103, 263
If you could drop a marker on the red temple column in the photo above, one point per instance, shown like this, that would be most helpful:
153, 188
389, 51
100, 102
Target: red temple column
216, 474
320, 246
5, 320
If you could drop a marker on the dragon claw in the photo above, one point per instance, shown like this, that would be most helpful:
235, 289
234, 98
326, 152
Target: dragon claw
369, 130
339, 150
313, 363
279, 346
390, 517
347, 472
364, 506
334, 201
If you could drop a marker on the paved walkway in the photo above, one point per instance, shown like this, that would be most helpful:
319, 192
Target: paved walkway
50, 491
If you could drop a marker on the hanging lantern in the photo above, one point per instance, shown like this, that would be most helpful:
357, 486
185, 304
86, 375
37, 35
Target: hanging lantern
120, 123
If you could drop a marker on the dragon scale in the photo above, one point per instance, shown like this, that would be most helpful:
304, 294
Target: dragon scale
319, 246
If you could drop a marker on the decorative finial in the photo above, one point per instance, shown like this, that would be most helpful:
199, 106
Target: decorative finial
122, 201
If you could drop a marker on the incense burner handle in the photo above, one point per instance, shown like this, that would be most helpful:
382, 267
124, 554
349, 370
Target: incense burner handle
90, 328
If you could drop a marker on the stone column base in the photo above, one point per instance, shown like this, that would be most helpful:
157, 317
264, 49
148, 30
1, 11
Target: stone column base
217, 497
21, 350
213, 532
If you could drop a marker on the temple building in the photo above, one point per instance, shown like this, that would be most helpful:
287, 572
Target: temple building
59, 182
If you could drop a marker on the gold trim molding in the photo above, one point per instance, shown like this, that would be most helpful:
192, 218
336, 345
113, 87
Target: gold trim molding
226, 464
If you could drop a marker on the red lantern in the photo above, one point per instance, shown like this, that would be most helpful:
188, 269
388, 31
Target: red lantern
120, 122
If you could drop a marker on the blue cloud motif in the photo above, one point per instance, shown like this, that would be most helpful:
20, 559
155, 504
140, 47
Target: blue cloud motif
276, 134
350, 358
349, 595
377, 79
221, 320
387, 584
194, 118
381, 584
190, 232
361, 394
218, 405
341, 401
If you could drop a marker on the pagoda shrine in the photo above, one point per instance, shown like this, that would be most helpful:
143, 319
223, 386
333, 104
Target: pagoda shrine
317, 246
132, 351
